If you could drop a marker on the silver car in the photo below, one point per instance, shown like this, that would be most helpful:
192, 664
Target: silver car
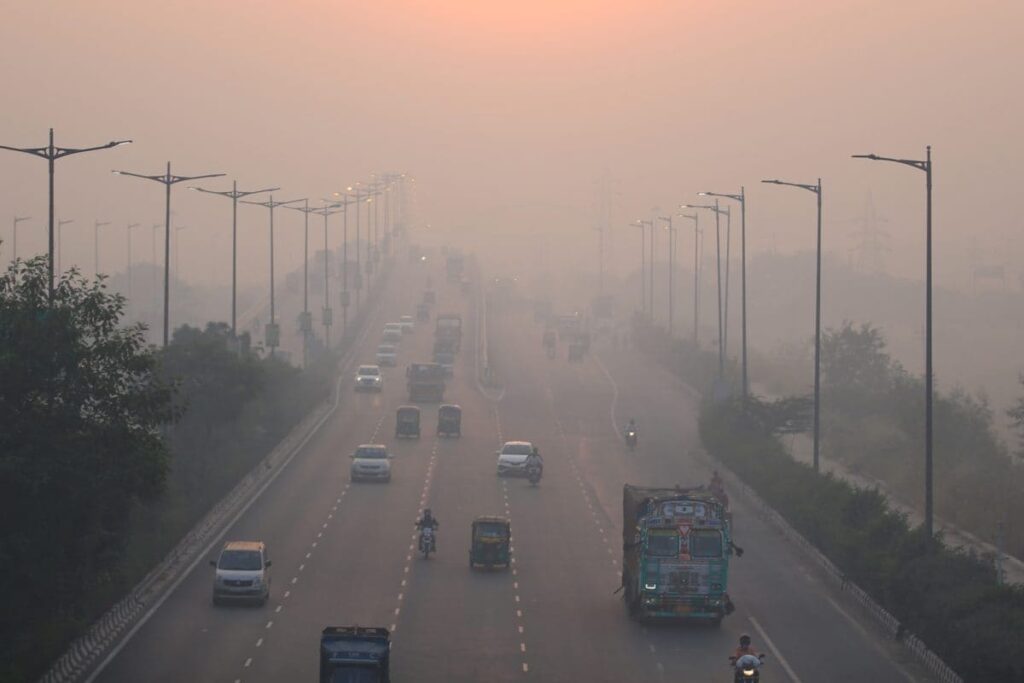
371, 462
242, 573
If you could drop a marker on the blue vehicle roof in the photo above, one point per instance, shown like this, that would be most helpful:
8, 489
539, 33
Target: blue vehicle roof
354, 644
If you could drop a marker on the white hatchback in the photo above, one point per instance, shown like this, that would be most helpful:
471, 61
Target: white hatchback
371, 462
392, 332
368, 378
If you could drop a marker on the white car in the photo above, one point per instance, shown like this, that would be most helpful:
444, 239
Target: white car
512, 458
368, 378
392, 332
387, 354
371, 462
242, 573
407, 323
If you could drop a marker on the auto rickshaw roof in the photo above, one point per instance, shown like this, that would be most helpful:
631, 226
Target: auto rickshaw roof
449, 407
408, 409
491, 519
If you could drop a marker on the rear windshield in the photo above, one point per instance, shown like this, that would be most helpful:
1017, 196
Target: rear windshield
369, 370
491, 530
240, 560
385, 348
517, 449
371, 453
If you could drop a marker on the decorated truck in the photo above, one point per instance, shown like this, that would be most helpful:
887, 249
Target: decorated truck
676, 548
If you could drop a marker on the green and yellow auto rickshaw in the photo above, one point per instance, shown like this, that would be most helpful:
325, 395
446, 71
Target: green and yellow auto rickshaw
490, 542
407, 422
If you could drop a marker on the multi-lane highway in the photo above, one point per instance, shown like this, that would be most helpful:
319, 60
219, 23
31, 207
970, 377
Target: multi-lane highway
343, 552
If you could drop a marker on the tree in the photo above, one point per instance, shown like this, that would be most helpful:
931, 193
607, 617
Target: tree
80, 409
1016, 415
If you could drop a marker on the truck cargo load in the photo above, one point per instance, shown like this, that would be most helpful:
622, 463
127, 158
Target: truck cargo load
448, 326
355, 654
676, 547
425, 382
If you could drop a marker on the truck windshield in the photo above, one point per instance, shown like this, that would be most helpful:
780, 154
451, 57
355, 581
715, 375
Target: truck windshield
663, 544
705, 543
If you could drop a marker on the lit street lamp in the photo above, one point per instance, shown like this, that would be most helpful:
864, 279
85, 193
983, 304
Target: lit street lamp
167, 180
96, 225
234, 193
273, 333
51, 153
742, 199
816, 189
926, 166
14, 235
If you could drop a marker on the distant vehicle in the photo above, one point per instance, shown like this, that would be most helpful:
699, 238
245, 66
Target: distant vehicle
444, 353
455, 265
449, 326
368, 378
676, 547
490, 542
355, 654
242, 573
407, 323
407, 422
387, 354
425, 382
568, 326
429, 297
512, 458
371, 462
392, 332
449, 420
423, 313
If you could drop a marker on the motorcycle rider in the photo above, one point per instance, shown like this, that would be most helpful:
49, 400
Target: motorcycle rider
428, 520
742, 650
534, 460
631, 432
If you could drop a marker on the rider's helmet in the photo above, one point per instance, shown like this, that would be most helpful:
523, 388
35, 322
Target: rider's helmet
426, 513
744, 640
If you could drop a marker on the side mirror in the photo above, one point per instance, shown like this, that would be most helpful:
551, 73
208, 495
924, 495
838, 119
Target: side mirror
267, 563
390, 457
213, 563
352, 457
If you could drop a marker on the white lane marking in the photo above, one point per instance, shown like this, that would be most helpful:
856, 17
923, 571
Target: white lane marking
248, 662
278, 609
287, 593
775, 651
270, 623
526, 667
522, 647
295, 580
259, 642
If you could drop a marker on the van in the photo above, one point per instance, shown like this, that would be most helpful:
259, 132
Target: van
242, 573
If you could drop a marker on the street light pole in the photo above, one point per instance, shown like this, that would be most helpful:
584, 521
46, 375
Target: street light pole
344, 258
307, 320
327, 311
926, 166
167, 180
695, 217
51, 153
60, 240
97, 224
128, 267
742, 199
718, 262
273, 334
643, 265
671, 241
816, 189
234, 194
14, 236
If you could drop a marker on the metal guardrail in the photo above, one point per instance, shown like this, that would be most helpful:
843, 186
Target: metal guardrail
105, 635
888, 623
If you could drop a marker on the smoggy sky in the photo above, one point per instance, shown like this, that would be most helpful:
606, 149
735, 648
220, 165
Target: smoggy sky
508, 113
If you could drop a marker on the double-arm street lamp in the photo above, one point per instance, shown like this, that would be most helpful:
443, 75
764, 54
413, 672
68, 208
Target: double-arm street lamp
816, 189
14, 235
167, 179
742, 199
926, 166
718, 267
695, 217
234, 194
51, 153
273, 332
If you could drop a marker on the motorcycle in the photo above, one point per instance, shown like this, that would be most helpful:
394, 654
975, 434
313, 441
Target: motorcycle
631, 439
747, 669
427, 544
533, 474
